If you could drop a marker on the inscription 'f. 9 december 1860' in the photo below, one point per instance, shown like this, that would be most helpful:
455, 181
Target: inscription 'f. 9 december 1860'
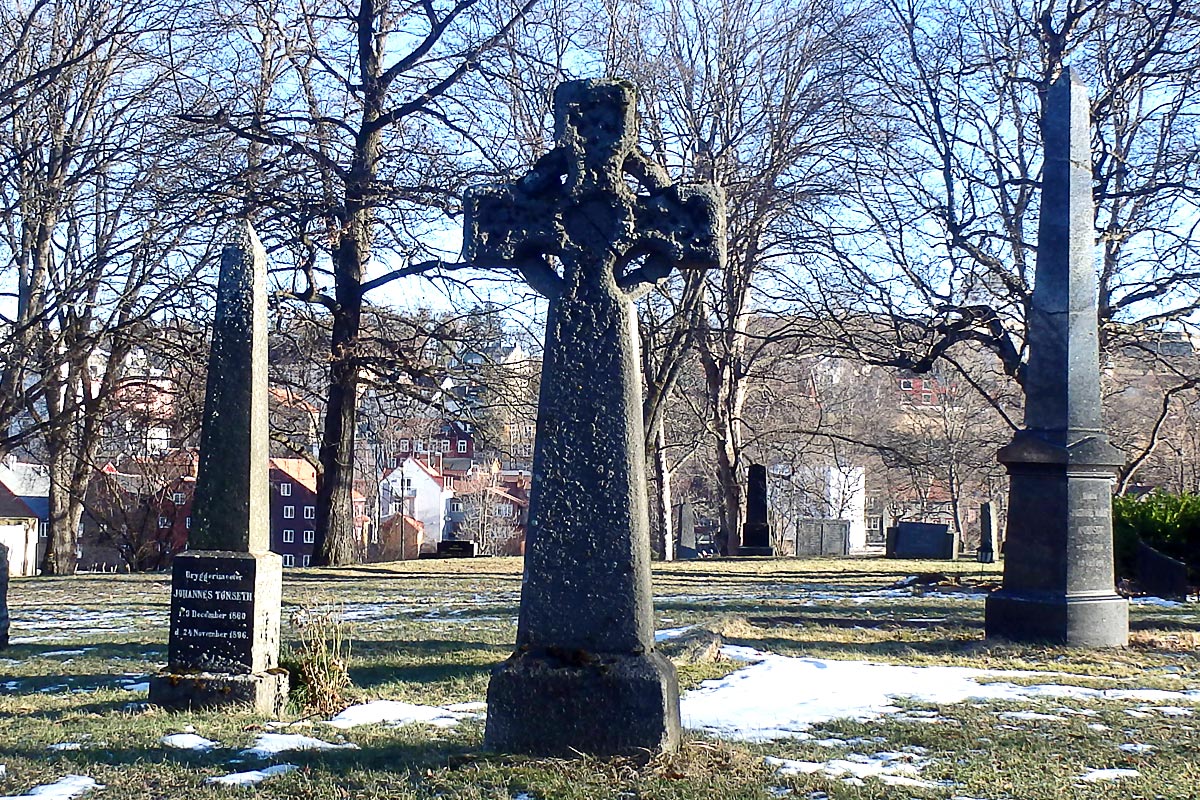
212, 615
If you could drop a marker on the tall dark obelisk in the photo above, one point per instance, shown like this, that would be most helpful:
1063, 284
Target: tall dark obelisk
1058, 572
226, 589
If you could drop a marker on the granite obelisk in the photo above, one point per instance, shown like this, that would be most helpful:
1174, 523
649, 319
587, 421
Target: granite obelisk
226, 589
585, 677
1058, 571
756, 532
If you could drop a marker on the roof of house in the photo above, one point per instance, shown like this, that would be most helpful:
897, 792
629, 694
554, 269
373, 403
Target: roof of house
25, 480
13, 506
298, 469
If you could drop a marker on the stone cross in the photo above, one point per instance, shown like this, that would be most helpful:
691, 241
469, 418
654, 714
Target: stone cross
756, 533
1058, 572
593, 224
226, 589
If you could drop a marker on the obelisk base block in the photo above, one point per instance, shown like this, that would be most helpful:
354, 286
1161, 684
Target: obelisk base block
264, 693
568, 703
1081, 621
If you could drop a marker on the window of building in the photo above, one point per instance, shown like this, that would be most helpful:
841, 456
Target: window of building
306, 560
906, 383
163, 522
504, 510
445, 445
187, 523
177, 498
289, 535
419, 447
926, 397
874, 523
289, 512
310, 537
310, 512
404, 445
285, 489
397, 507
528, 430
462, 445
289, 560
455, 506
448, 482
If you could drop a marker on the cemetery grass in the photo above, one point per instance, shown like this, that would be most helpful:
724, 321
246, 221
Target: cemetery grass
428, 632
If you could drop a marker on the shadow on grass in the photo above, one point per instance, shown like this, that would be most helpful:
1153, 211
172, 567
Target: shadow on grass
427, 662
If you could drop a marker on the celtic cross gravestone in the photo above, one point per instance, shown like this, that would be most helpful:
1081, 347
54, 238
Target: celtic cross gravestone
591, 226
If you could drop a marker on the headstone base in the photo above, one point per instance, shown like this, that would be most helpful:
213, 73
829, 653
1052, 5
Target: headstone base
1081, 621
756, 551
571, 703
266, 693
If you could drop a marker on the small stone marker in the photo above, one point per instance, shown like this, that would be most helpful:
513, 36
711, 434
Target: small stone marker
1058, 553
687, 532
585, 677
989, 530
756, 532
226, 591
3, 596
456, 548
821, 537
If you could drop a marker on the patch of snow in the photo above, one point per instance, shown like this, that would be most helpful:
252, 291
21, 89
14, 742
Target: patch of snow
397, 713
1098, 727
1172, 711
62, 789
1095, 775
141, 686
893, 769
671, 633
188, 741
269, 744
779, 696
66, 746
66, 652
251, 777
1154, 601
1030, 716
1138, 749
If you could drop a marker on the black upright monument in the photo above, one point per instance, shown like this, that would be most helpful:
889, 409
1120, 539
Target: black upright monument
756, 532
1058, 570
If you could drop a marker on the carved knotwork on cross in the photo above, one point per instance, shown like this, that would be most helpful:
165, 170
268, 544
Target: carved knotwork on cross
577, 206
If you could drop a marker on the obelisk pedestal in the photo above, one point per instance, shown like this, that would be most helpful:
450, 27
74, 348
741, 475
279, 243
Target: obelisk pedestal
1058, 570
226, 590
756, 532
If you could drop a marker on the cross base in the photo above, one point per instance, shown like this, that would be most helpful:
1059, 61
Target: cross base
564, 704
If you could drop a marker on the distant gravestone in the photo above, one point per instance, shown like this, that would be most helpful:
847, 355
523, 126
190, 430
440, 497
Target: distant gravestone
687, 532
585, 677
822, 537
921, 540
756, 532
3, 596
989, 533
1159, 574
226, 590
1059, 584
454, 548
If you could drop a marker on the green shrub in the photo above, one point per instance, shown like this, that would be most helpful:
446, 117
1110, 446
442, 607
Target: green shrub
1170, 523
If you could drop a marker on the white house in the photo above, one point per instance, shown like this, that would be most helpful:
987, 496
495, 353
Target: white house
417, 490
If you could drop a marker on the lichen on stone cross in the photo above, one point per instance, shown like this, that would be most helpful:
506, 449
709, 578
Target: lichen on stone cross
577, 205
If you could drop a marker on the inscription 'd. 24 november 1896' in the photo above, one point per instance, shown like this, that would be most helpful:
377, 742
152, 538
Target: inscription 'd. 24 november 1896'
212, 612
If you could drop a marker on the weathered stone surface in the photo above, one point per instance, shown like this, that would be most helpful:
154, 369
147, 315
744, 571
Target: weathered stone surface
4, 624
756, 532
549, 703
822, 537
580, 235
226, 590
1058, 570
686, 525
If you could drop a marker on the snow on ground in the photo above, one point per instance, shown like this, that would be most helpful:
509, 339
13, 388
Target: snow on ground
779, 696
188, 741
397, 713
250, 778
893, 769
62, 789
270, 744
1095, 775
